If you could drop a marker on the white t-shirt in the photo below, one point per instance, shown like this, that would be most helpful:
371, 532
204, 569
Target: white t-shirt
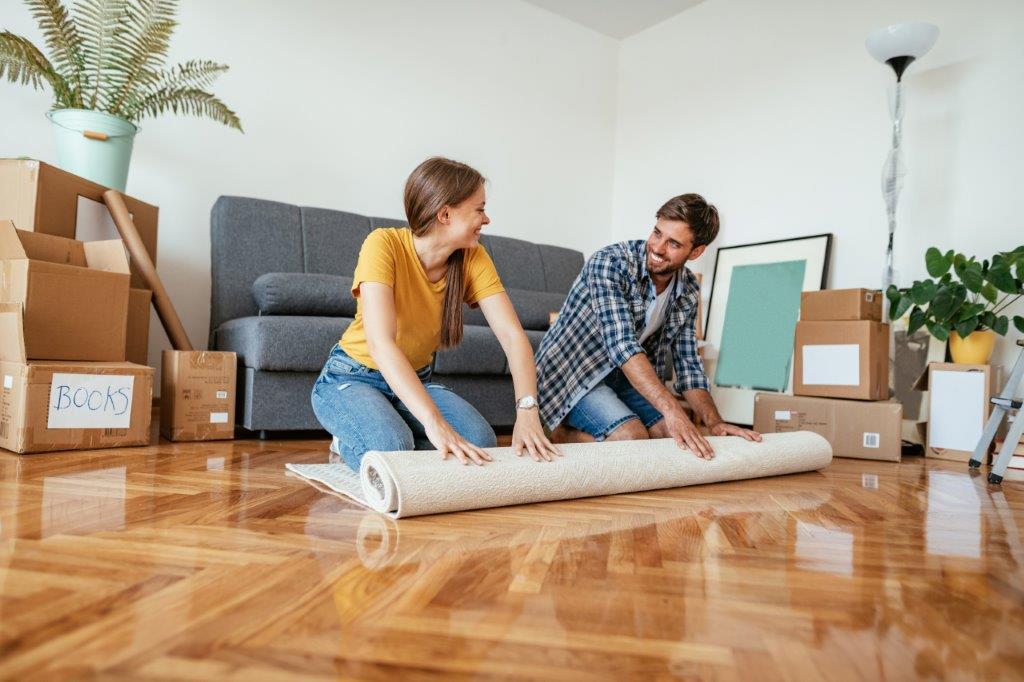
656, 310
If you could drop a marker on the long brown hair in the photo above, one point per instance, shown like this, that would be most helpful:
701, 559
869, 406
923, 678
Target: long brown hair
436, 183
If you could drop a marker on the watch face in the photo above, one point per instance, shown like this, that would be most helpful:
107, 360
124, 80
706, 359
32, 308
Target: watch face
526, 402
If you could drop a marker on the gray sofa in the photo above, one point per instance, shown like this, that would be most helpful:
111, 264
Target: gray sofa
280, 299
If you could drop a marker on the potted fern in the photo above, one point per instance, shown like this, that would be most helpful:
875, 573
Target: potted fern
106, 71
965, 303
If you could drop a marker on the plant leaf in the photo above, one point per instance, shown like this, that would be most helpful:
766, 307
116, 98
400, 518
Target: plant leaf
893, 294
990, 293
1018, 322
972, 277
190, 101
64, 42
1002, 325
970, 310
938, 330
22, 62
1000, 276
965, 328
901, 308
936, 263
988, 319
917, 320
146, 36
101, 23
947, 301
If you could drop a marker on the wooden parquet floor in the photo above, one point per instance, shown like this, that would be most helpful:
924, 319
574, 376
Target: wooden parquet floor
206, 561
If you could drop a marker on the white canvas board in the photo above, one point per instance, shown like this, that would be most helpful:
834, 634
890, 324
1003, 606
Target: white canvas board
957, 411
832, 364
737, 404
93, 221
90, 401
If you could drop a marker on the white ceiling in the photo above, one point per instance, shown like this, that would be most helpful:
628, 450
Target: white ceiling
616, 18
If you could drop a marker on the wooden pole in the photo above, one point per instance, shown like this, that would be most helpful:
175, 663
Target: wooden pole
140, 258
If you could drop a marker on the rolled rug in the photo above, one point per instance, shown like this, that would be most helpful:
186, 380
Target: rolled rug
415, 483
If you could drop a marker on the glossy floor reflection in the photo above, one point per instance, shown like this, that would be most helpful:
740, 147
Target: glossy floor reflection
207, 561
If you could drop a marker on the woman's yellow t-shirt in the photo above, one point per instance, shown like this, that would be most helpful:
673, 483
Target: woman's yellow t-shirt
388, 256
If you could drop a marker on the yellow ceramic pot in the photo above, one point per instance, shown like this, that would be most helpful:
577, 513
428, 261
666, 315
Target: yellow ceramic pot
976, 349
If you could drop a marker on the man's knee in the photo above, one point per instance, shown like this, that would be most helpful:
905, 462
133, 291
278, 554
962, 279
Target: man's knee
632, 429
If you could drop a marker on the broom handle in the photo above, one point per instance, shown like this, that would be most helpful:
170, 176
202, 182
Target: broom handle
140, 258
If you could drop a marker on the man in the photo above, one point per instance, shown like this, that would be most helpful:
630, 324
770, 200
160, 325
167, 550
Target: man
601, 368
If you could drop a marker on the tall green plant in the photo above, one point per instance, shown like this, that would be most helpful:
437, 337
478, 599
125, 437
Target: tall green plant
965, 296
109, 55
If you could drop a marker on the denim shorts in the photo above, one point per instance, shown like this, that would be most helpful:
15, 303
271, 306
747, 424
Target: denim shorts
610, 404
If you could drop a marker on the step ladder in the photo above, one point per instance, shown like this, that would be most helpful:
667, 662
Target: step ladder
1002, 406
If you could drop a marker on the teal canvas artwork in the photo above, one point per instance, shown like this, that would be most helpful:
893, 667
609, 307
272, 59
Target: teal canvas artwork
760, 321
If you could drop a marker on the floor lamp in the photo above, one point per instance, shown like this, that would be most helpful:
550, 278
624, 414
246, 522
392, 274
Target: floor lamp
897, 45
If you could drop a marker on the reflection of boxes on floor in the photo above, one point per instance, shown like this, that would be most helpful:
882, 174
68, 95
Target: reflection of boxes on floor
958, 407
842, 360
70, 298
841, 304
41, 198
49, 405
197, 395
854, 428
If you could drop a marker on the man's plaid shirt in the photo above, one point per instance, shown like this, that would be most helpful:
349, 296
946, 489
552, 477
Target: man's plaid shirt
600, 324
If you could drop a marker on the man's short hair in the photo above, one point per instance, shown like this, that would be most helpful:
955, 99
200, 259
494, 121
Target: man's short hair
693, 210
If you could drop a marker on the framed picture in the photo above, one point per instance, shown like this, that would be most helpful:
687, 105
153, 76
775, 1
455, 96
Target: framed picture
752, 315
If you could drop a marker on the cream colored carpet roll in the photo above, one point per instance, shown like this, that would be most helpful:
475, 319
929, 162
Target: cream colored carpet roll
414, 483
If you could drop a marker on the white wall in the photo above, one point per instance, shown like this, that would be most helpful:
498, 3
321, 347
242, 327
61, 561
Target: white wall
775, 111
341, 100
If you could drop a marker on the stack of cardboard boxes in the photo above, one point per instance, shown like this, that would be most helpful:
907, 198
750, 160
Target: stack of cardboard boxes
840, 377
74, 324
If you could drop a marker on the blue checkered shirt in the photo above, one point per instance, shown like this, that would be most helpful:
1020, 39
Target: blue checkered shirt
600, 324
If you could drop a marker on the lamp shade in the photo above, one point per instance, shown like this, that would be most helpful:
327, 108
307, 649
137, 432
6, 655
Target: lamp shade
911, 39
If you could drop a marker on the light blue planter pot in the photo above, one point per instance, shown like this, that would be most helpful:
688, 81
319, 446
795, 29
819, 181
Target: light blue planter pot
104, 161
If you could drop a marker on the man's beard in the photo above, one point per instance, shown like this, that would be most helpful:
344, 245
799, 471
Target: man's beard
665, 268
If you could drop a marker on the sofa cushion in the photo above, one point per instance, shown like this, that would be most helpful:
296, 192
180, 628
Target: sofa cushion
534, 308
297, 293
479, 353
291, 343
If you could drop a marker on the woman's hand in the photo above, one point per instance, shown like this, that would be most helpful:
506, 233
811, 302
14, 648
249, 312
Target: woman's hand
528, 434
448, 442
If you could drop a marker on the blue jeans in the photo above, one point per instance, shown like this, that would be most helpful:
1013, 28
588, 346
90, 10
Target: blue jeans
355, 403
610, 404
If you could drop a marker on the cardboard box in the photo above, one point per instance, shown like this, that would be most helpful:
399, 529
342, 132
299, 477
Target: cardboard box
47, 406
858, 429
842, 360
137, 332
958, 408
41, 198
197, 395
841, 305
69, 298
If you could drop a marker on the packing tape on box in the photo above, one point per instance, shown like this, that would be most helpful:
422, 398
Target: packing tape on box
415, 483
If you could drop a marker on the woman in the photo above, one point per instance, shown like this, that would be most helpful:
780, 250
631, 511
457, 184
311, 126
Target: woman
374, 392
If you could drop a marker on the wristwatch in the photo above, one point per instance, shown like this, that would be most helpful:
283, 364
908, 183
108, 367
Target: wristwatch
527, 402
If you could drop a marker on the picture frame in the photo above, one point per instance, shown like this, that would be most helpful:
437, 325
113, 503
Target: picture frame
734, 400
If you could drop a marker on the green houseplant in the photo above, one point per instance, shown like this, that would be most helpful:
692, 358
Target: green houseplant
966, 302
107, 71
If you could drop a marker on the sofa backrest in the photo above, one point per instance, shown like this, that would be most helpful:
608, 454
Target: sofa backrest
251, 237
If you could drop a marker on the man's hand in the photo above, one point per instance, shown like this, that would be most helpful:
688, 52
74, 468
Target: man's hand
723, 429
686, 436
